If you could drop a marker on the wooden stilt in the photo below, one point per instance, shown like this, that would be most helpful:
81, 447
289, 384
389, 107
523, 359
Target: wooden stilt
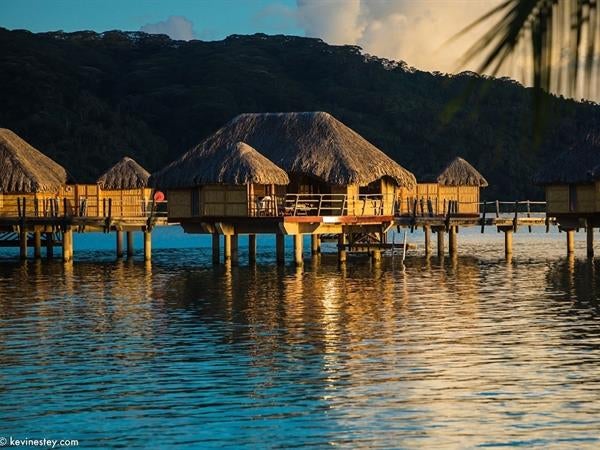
251, 248
342, 254
298, 250
23, 243
508, 242
37, 244
227, 248
376, 255
570, 242
147, 245
130, 249
119, 244
68, 245
590, 240
280, 248
427, 230
234, 249
440, 242
452, 240
315, 244
216, 249
49, 245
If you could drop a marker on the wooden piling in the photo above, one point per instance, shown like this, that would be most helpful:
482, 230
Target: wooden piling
37, 244
452, 240
251, 248
23, 243
130, 248
590, 240
298, 257
440, 242
49, 245
147, 245
508, 242
280, 248
67, 245
119, 243
315, 244
235, 249
216, 249
227, 248
570, 242
427, 231
342, 254
376, 255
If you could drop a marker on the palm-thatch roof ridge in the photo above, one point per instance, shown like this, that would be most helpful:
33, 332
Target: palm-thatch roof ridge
314, 144
25, 169
235, 163
579, 164
126, 174
460, 172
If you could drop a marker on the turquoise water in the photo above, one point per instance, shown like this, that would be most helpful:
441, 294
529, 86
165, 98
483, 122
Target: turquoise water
466, 352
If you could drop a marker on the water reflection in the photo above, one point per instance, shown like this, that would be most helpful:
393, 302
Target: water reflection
451, 352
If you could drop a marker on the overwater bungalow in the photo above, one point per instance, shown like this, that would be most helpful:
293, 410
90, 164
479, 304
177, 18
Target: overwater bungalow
234, 180
30, 182
456, 189
332, 170
337, 182
572, 183
572, 187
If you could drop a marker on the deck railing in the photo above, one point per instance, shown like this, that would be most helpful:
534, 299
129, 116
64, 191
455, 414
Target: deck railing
24, 207
322, 205
423, 207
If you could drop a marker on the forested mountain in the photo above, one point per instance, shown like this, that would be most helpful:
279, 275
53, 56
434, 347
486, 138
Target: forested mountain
86, 99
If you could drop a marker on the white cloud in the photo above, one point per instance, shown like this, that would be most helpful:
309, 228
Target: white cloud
176, 27
410, 30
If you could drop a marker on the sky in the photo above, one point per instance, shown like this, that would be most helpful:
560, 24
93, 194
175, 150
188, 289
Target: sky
415, 31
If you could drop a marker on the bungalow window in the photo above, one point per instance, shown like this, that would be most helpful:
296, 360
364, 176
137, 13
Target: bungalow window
370, 189
572, 198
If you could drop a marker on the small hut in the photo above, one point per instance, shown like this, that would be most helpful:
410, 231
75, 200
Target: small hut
572, 180
26, 173
322, 157
458, 182
124, 189
232, 180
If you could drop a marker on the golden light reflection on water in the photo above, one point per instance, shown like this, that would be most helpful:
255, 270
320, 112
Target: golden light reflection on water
451, 352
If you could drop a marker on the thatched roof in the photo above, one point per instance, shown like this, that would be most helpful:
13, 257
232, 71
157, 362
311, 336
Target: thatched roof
236, 163
314, 144
460, 173
578, 164
126, 174
25, 169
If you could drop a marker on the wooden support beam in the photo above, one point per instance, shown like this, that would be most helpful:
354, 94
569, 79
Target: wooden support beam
427, 231
570, 242
590, 240
440, 242
49, 245
315, 244
452, 240
37, 244
23, 242
130, 248
298, 250
227, 248
251, 248
342, 254
119, 243
216, 249
280, 248
68, 245
147, 245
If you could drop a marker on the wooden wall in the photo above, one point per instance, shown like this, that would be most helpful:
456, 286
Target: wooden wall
439, 196
210, 200
125, 202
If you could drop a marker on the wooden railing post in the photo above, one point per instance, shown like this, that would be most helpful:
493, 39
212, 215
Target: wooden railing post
529, 213
516, 218
497, 209
483, 217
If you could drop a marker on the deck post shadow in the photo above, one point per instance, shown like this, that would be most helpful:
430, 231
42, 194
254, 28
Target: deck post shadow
235, 249
119, 243
130, 248
590, 239
37, 244
280, 248
216, 249
315, 244
23, 243
49, 245
251, 248
427, 231
452, 240
440, 242
342, 255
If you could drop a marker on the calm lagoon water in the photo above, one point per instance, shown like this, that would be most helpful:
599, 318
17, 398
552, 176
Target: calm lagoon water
454, 353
